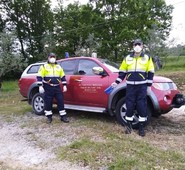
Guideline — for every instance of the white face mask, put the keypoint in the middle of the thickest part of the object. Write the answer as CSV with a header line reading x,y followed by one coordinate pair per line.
x,y
137,49
52,60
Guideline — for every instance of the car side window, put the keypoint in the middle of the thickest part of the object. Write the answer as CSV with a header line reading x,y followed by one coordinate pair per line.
x,y
33,69
85,67
68,66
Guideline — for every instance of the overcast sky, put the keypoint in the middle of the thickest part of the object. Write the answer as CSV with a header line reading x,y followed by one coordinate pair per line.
x,y
178,23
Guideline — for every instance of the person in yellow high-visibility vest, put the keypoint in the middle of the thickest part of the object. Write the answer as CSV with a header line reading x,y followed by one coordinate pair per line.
x,y
49,77
138,69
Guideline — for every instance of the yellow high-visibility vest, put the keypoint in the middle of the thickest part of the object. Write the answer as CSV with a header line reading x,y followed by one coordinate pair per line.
x,y
138,70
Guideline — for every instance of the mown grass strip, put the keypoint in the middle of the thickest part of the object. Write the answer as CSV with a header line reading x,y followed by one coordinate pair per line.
x,y
125,153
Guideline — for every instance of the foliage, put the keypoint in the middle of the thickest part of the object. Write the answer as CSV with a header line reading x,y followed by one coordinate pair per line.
x,y
107,27
74,32
127,20
31,20
179,50
2,23
10,61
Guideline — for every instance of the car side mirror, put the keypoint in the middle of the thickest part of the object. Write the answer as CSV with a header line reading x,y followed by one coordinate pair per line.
x,y
98,70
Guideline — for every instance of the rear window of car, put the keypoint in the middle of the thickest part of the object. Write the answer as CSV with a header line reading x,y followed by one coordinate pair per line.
x,y
33,69
68,66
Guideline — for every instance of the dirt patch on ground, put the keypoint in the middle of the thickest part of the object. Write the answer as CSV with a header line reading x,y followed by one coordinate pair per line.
x,y
28,143
168,131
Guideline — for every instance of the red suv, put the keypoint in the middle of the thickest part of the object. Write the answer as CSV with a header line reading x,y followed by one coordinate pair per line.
x,y
87,80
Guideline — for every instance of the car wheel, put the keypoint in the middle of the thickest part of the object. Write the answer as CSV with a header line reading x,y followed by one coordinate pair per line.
x,y
121,112
38,104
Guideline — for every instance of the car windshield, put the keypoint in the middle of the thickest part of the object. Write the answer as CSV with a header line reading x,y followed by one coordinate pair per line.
x,y
114,67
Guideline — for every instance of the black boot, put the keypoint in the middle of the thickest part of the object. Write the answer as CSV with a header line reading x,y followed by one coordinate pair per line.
x,y
128,127
64,119
141,129
49,120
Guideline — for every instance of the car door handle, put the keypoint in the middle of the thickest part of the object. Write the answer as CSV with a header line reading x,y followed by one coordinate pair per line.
x,y
78,80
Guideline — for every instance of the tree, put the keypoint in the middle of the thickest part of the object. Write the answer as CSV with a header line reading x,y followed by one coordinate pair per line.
x,y
127,20
31,20
2,23
10,62
75,28
106,26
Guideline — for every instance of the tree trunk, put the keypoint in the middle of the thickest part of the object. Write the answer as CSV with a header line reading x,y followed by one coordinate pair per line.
x,y
116,54
1,83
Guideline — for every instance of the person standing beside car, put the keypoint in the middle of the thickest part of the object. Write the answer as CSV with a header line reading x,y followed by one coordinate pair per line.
x,y
138,69
49,77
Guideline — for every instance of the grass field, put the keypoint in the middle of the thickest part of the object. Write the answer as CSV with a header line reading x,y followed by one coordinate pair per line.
x,y
174,68
173,63
100,143
10,99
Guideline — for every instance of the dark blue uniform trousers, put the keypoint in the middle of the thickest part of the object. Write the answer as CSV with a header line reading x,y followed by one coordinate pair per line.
x,y
136,98
52,92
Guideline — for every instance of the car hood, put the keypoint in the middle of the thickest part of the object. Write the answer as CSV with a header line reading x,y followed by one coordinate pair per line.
x,y
160,79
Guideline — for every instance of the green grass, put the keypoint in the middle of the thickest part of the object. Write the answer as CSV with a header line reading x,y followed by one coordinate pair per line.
x,y
10,99
174,68
173,63
119,153
9,86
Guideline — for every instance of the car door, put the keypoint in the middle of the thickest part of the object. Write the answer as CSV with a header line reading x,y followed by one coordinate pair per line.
x,y
69,67
88,88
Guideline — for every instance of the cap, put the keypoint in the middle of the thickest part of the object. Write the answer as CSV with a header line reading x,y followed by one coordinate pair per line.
x,y
137,41
52,54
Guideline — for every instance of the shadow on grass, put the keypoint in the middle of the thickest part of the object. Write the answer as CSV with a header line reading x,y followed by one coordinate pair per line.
x,y
91,116
167,125
164,124
75,115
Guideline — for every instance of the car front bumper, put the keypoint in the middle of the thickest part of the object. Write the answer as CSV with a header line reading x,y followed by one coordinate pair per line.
x,y
178,101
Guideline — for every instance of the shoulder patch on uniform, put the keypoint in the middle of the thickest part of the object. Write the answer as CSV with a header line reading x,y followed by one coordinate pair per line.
x,y
148,56
129,58
143,59
58,66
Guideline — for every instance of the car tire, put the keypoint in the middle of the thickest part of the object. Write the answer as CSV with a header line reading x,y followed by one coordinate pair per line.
x,y
121,112
38,105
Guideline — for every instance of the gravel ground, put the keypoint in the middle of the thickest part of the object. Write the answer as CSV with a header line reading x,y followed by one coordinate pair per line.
x,y
24,146
27,142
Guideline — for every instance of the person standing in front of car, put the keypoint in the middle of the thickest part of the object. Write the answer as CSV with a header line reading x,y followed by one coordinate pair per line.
x,y
49,77
138,69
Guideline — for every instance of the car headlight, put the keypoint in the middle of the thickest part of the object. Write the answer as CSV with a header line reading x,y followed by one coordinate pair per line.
x,y
165,86
174,86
